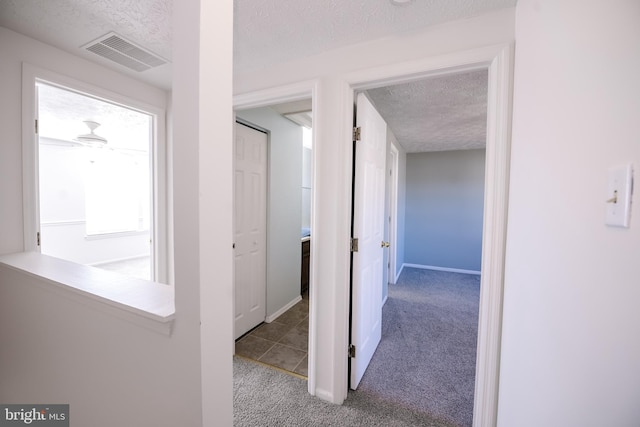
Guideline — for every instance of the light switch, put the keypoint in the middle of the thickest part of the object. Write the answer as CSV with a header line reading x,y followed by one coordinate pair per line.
x,y
619,190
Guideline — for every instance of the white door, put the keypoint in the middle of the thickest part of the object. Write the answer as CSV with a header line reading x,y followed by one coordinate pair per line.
x,y
368,228
250,228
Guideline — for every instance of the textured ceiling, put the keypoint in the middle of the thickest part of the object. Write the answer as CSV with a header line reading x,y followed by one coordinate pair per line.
x,y
271,31
61,116
70,24
436,114
265,32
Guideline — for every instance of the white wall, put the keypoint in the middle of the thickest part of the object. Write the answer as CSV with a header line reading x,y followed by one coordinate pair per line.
x,y
571,326
15,50
284,205
110,371
57,349
333,109
60,350
203,100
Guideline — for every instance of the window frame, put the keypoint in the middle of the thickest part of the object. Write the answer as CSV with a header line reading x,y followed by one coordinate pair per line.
x,y
31,75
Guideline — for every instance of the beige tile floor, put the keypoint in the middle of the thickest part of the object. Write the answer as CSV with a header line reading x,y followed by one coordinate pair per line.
x,y
282,343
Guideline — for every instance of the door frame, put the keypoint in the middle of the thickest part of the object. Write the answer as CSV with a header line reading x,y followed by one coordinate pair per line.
x,y
498,60
280,95
393,214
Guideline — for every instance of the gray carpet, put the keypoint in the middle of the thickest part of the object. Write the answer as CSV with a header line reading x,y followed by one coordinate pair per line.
x,y
265,397
421,375
426,359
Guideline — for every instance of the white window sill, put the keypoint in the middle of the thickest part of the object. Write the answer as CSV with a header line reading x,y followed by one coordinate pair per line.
x,y
146,303
115,234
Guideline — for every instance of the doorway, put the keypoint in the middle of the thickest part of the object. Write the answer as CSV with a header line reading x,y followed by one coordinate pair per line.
x,y
281,336
443,201
495,202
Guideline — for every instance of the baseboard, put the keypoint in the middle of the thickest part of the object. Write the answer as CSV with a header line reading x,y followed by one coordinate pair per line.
x,y
280,312
326,396
431,267
399,273
385,299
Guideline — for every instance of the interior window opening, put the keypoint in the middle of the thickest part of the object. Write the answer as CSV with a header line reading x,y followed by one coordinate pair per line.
x,y
95,181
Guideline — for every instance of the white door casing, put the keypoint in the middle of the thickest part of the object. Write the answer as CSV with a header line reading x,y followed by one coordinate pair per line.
x,y
368,228
393,212
386,228
250,228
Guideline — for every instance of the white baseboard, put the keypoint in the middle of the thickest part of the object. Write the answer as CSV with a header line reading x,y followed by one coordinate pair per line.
x,y
326,396
280,312
431,267
385,299
399,273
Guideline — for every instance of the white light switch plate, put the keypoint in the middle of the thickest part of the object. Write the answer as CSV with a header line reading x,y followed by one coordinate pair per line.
x,y
619,190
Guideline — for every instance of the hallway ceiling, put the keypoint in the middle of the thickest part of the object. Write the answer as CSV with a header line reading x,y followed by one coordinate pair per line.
x,y
265,31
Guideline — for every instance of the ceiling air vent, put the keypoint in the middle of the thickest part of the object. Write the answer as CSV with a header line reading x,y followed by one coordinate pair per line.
x,y
115,48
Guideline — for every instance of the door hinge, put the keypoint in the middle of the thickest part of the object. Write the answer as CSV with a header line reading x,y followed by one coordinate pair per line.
x,y
354,244
352,350
356,133
38,238
36,126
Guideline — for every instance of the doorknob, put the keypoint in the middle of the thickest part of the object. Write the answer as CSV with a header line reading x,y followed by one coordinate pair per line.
x,y
384,244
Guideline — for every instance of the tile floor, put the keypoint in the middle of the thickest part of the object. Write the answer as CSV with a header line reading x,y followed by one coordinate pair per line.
x,y
282,343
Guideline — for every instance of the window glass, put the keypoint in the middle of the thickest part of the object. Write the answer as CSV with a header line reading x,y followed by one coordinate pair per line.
x,y
94,167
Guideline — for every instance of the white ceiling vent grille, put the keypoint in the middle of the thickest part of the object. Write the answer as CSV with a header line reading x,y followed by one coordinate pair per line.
x,y
115,48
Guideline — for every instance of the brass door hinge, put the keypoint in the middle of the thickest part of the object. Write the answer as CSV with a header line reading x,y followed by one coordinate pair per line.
x,y
356,133
354,244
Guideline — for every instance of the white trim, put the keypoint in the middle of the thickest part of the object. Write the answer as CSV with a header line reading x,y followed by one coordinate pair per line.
x,y
288,93
384,300
399,272
324,395
432,267
278,95
498,60
393,226
283,310
500,92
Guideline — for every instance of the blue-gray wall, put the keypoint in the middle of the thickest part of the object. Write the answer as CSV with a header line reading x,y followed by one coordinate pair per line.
x,y
284,205
444,209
